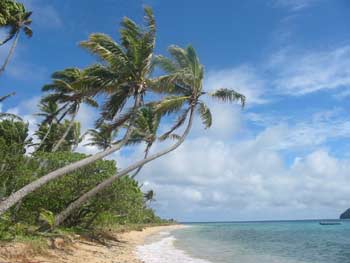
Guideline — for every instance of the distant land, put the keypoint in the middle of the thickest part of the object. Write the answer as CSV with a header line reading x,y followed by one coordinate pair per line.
x,y
345,215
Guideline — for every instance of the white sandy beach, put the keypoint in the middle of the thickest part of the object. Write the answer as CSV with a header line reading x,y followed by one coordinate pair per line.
x,y
128,250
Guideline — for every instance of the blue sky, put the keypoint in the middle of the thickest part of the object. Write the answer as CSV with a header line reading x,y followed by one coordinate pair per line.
x,y
285,156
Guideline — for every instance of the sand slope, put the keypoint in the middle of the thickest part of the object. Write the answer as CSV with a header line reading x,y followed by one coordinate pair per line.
x,y
82,251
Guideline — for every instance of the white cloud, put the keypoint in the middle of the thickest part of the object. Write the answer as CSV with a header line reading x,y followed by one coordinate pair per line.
x,y
295,5
227,121
299,74
342,94
224,181
218,179
288,72
307,132
87,117
243,79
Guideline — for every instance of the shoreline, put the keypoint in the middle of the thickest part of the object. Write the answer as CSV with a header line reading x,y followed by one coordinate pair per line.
x,y
137,238
83,251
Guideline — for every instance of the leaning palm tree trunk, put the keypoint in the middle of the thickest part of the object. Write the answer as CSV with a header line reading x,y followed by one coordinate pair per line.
x,y
31,187
45,136
61,140
12,50
140,168
100,187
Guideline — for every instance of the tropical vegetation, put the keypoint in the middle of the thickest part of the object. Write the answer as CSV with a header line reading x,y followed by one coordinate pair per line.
x,y
45,182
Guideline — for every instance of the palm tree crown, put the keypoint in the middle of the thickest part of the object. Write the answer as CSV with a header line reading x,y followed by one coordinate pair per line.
x,y
126,67
145,126
67,90
102,137
15,17
184,84
49,111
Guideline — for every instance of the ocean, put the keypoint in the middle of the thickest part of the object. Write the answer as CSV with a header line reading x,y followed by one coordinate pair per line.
x,y
251,242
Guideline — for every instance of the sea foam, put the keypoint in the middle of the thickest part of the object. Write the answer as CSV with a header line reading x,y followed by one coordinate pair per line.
x,y
164,251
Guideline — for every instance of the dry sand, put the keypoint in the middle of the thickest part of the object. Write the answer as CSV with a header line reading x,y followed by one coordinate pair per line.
x,y
82,251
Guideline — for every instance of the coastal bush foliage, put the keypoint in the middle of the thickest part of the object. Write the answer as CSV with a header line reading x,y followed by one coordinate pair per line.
x,y
122,203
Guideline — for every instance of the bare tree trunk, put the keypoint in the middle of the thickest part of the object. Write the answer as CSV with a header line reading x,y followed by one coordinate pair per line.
x,y
100,187
71,123
31,187
12,50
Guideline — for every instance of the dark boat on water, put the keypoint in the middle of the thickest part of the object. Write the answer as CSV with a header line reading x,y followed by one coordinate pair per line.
x,y
329,223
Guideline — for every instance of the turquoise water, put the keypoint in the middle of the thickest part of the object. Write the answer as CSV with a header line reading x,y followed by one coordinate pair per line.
x,y
267,242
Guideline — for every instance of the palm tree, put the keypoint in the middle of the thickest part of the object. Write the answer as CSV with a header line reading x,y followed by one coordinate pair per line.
x,y
184,80
66,90
149,196
49,110
102,137
123,76
145,130
16,19
55,134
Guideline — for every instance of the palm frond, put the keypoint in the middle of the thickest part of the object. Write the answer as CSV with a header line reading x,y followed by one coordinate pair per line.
x,y
171,104
99,78
6,115
179,122
102,138
150,20
91,102
122,119
68,74
193,59
228,95
165,64
2,98
205,114
28,31
105,48
180,56
174,137
115,103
